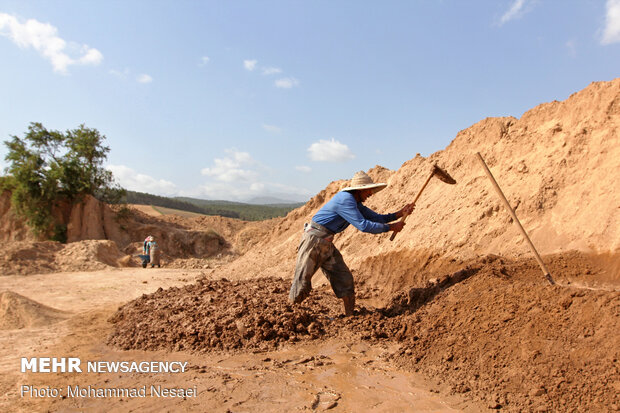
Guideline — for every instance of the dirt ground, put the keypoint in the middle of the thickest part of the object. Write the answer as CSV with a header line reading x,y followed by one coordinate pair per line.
x,y
336,373
492,330
492,335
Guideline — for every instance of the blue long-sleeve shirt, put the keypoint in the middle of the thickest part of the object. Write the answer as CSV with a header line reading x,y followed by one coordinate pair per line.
x,y
343,210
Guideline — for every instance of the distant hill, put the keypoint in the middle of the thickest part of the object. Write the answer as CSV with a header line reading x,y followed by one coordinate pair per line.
x,y
247,212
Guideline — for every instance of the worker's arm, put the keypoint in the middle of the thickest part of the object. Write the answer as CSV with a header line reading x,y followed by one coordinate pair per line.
x,y
362,218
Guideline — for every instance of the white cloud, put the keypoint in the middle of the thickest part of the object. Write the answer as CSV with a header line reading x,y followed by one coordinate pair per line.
x,y
330,151
612,23
204,60
218,190
238,176
303,168
134,181
233,168
144,78
271,70
43,37
272,128
286,82
90,56
245,192
515,11
250,64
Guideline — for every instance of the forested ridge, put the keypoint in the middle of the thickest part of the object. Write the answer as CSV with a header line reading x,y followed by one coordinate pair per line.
x,y
247,212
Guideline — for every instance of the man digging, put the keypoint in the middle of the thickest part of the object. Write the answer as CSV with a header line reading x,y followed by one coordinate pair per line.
x,y
316,249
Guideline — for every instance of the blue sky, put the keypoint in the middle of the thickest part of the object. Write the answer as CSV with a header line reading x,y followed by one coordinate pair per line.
x,y
238,99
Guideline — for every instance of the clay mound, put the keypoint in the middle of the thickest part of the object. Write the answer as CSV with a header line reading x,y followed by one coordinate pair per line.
x,y
493,333
89,256
557,165
28,257
220,315
17,311
24,258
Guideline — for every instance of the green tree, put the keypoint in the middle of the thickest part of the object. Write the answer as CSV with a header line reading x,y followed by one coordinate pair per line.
x,y
46,167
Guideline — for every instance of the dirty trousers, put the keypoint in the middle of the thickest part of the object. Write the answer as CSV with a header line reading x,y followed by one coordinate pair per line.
x,y
314,252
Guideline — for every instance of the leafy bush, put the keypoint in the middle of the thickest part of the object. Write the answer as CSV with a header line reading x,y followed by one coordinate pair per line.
x,y
48,166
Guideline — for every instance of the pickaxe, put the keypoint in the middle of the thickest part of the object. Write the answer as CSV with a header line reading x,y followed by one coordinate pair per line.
x,y
438,173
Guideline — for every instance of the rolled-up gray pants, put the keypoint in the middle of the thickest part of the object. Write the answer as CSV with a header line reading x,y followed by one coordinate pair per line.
x,y
317,251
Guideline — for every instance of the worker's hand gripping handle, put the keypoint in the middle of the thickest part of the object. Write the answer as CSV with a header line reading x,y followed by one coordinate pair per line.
x,y
402,220
414,201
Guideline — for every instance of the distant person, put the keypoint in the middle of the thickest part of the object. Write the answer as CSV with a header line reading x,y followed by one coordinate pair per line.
x,y
146,256
316,249
151,249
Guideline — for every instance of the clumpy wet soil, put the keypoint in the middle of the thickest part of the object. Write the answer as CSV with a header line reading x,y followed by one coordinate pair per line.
x,y
493,331
222,315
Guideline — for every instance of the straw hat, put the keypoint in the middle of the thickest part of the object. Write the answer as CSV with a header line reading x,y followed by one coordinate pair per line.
x,y
361,180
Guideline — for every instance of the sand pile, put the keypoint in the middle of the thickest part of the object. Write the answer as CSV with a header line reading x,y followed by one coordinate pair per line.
x,y
501,337
558,166
17,311
28,257
89,255
31,257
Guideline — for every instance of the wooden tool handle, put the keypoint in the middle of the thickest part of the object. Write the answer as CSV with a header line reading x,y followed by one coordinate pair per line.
x,y
516,220
414,201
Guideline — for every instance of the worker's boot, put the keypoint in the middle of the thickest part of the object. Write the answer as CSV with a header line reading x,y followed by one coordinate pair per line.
x,y
349,305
